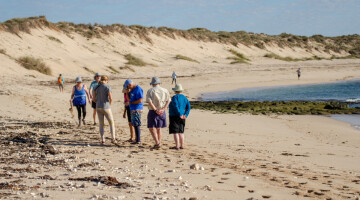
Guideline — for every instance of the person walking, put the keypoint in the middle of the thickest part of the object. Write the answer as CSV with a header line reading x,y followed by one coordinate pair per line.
x,y
158,99
91,88
78,98
173,77
128,114
61,83
103,100
136,107
179,110
298,73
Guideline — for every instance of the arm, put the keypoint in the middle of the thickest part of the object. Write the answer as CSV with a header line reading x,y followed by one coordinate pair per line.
x,y
187,108
72,94
137,101
87,93
110,97
94,96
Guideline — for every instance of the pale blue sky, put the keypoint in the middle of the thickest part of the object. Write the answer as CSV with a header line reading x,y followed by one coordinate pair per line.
x,y
300,17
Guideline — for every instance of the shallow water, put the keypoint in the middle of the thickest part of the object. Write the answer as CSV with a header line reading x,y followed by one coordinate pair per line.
x,y
346,91
353,120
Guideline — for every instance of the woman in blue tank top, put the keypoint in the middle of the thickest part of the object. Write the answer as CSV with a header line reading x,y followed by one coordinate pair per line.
x,y
78,98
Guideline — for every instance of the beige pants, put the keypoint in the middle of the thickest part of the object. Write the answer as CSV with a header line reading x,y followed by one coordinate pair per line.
x,y
108,114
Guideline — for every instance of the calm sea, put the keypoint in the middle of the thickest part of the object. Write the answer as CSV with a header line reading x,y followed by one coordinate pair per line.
x,y
344,91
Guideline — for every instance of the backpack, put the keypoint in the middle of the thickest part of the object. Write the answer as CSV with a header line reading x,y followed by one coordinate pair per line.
x,y
59,80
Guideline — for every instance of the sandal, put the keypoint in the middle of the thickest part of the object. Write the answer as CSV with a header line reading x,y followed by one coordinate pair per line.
x,y
130,140
156,146
177,148
113,141
181,147
102,142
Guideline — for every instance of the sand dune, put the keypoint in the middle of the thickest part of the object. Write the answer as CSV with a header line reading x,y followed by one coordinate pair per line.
x,y
240,156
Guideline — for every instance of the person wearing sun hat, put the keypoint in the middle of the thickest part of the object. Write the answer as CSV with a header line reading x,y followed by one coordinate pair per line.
x,y
78,98
158,99
93,84
179,109
136,106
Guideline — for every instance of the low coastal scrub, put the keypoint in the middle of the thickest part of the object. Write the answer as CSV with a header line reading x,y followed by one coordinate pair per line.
x,y
132,60
53,39
32,63
127,67
3,51
113,70
275,56
238,57
290,59
277,107
181,57
89,70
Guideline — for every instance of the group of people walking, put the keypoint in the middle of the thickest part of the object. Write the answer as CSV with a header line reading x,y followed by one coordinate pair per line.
x,y
158,99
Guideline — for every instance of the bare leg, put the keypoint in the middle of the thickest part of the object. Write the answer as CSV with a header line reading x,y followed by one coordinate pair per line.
x,y
100,114
154,135
176,139
182,138
132,132
158,131
94,116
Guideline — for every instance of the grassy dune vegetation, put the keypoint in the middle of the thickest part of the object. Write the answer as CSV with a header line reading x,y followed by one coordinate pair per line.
x,y
32,63
346,43
181,57
132,60
281,107
238,57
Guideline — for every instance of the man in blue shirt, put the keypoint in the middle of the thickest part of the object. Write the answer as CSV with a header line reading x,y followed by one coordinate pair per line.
x,y
136,106
179,110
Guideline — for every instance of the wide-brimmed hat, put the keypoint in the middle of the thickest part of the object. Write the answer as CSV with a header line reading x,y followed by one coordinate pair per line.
x,y
127,82
155,80
178,88
78,79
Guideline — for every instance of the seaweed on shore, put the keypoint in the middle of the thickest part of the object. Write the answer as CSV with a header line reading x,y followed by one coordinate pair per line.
x,y
276,107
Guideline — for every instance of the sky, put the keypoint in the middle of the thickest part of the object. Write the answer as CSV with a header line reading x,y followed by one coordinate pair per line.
x,y
299,17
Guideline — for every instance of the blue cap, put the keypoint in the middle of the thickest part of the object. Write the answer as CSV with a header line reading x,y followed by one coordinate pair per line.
x,y
127,82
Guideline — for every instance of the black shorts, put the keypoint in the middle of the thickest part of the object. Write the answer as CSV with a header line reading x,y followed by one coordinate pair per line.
x,y
128,113
177,125
93,105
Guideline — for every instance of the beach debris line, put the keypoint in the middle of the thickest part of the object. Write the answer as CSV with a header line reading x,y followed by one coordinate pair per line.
x,y
276,107
107,180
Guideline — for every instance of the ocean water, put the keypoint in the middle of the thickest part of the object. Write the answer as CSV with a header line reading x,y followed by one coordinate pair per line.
x,y
344,91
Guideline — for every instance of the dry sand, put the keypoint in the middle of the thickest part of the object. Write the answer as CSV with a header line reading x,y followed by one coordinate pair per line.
x,y
240,156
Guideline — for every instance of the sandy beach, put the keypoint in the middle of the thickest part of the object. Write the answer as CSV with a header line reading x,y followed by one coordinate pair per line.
x,y
237,156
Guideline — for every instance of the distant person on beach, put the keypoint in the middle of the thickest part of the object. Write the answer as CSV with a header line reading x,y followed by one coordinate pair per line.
x,y
91,88
173,78
298,73
136,107
61,83
78,97
127,113
158,99
103,100
179,110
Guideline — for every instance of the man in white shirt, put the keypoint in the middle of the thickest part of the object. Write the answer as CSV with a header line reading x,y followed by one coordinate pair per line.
x,y
158,99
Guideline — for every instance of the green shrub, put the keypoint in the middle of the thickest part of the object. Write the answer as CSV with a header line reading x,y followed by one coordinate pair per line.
x,y
53,39
181,57
113,69
89,70
275,56
32,63
132,60
238,58
3,51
